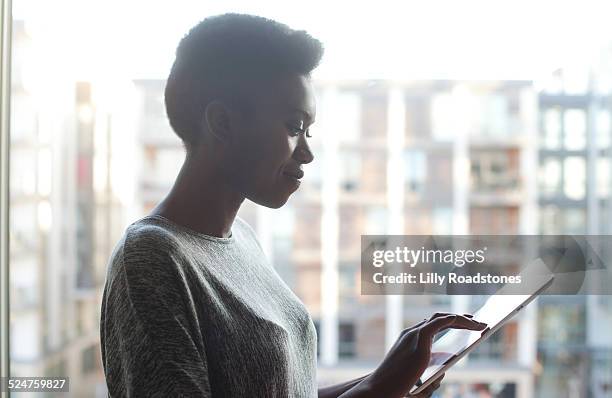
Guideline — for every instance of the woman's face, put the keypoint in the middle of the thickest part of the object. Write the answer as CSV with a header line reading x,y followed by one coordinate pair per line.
x,y
267,158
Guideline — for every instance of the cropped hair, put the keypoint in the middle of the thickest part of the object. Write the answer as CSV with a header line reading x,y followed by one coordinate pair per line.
x,y
224,57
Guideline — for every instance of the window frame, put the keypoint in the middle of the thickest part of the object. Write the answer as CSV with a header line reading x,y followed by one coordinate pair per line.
x,y
5,86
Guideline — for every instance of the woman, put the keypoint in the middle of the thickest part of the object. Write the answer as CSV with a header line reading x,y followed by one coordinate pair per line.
x,y
191,306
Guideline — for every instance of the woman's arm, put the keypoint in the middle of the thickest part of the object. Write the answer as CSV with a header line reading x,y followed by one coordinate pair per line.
x,y
150,342
336,390
405,362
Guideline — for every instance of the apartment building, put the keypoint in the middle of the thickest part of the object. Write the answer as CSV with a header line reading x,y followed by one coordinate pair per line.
x,y
574,356
59,239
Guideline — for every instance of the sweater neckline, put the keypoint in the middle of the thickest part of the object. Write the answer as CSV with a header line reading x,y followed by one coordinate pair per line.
x,y
229,239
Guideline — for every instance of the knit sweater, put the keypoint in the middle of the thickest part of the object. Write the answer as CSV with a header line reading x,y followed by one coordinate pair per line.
x,y
192,315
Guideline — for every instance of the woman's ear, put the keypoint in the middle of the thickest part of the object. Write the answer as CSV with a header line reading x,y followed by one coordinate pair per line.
x,y
217,118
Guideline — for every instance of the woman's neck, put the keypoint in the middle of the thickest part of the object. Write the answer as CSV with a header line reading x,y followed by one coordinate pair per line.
x,y
201,200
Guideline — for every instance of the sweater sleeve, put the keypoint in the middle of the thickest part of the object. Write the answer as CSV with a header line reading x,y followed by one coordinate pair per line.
x,y
153,345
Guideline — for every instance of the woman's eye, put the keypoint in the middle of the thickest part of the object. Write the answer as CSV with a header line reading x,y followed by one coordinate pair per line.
x,y
295,130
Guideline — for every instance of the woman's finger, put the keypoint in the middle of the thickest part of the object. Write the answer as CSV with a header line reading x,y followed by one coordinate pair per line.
x,y
440,314
434,386
453,322
407,330
419,324
427,392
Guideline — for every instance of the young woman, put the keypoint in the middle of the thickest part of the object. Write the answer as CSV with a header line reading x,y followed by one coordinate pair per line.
x,y
191,306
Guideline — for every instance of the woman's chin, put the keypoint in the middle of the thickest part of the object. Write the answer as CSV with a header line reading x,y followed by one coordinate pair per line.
x,y
278,194
273,202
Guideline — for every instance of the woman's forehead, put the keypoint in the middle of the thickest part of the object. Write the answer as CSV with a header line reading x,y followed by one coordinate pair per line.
x,y
292,94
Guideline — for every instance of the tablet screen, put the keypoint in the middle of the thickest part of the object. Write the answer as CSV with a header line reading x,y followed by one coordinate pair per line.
x,y
495,309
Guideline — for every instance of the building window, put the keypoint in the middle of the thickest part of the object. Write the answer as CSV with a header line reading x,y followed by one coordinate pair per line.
x,y
551,129
346,337
562,323
415,171
574,181
347,108
494,170
376,220
574,220
347,282
88,359
443,127
350,170
550,176
603,177
442,220
603,129
495,116
374,115
574,123
417,119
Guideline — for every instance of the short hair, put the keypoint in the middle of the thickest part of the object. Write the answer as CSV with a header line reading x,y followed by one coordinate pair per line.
x,y
222,56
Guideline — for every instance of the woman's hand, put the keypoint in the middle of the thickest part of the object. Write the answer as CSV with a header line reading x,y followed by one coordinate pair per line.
x,y
409,356
427,392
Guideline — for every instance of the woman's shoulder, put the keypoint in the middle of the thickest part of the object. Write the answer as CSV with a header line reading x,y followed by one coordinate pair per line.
x,y
152,240
149,247
150,232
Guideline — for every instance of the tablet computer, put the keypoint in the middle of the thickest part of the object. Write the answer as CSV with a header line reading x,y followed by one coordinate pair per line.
x,y
457,343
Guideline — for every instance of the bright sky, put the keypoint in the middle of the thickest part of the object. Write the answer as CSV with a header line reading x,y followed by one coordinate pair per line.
x,y
382,39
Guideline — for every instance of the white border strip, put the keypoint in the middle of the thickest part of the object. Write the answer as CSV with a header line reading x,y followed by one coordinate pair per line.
x,y
5,89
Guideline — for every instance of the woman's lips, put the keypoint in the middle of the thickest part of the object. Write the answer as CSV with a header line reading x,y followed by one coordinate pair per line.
x,y
297,174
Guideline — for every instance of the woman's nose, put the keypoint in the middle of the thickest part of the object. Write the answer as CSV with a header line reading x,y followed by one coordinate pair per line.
x,y
302,152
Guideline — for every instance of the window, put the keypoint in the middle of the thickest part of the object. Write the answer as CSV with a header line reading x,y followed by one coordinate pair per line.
x,y
574,221
350,170
418,119
348,284
551,129
562,324
603,177
415,171
89,358
347,110
376,220
574,181
550,176
442,221
346,343
604,133
374,115
494,170
442,112
495,116
83,167
574,123
551,222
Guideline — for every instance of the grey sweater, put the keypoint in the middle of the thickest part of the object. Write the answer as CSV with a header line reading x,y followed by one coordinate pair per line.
x,y
191,315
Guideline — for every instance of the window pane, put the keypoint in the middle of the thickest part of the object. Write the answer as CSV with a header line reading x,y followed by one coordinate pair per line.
x,y
550,176
552,129
604,133
575,178
415,171
92,151
574,123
